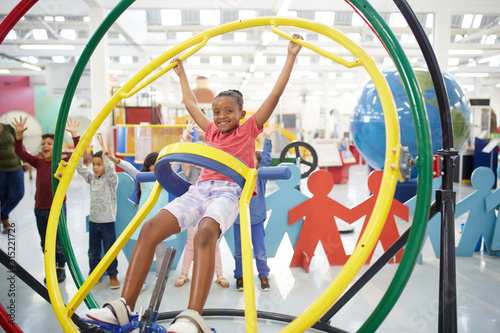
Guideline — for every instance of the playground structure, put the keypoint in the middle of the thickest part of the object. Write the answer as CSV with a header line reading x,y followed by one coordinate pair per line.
x,y
445,202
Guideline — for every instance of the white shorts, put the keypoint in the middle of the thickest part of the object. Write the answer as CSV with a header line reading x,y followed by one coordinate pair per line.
x,y
216,199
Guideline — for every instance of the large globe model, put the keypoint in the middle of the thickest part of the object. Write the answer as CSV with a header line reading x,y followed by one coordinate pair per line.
x,y
367,121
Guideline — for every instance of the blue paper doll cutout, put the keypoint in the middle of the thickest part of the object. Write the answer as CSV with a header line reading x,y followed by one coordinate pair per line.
x,y
280,202
480,222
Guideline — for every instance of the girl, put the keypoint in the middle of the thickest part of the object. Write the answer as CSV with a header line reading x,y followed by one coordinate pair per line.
x,y
211,204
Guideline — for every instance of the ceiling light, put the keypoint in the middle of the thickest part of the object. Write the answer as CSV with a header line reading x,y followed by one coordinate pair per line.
x,y
246,14
32,60
497,85
210,17
40,34
326,18
30,66
171,16
488,59
252,68
472,74
48,18
467,21
4,71
215,60
453,61
465,52
86,19
268,37
357,21
477,21
115,71
236,60
397,20
429,20
126,60
260,60
58,59
60,18
193,60
11,35
46,47
68,34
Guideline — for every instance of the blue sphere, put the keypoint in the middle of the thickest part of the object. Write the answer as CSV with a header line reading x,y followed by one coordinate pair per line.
x,y
367,120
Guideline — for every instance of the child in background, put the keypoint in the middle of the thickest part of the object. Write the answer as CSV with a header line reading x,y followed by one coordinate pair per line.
x,y
258,214
11,175
211,204
192,172
148,165
103,182
43,194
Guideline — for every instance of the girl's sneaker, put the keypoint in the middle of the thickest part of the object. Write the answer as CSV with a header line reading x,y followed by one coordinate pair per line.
x,y
113,313
189,321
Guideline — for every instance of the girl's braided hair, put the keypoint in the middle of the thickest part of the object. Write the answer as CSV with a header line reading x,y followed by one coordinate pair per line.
x,y
236,94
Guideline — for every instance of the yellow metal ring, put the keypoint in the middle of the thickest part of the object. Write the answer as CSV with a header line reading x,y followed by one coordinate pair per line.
x,y
144,77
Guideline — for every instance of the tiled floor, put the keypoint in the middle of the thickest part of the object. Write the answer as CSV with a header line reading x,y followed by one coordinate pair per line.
x,y
292,290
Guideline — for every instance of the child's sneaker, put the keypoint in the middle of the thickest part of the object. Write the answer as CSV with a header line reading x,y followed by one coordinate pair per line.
x,y
239,284
61,274
189,321
264,284
112,313
113,282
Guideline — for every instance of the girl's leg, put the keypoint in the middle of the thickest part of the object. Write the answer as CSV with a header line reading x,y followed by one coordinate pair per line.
x,y
204,260
161,226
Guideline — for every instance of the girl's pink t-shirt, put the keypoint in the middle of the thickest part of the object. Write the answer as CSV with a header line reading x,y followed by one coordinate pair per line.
x,y
240,143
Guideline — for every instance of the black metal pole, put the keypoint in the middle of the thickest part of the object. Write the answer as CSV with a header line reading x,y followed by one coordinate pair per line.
x,y
447,268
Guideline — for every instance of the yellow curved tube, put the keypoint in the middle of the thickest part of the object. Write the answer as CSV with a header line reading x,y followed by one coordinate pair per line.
x,y
135,84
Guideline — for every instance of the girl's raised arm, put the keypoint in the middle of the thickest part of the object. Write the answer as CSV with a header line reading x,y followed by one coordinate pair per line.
x,y
267,108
